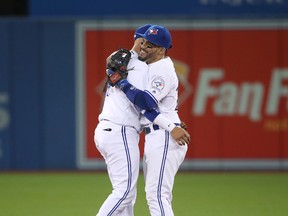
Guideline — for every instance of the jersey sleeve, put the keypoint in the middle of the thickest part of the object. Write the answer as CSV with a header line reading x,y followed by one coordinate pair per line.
x,y
159,86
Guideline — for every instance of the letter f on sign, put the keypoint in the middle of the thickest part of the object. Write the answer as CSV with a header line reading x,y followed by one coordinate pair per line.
x,y
205,89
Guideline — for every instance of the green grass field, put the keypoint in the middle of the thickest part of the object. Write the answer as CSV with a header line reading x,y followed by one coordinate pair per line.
x,y
199,194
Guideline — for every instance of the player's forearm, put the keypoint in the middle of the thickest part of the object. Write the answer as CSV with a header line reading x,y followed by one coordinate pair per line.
x,y
157,118
142,99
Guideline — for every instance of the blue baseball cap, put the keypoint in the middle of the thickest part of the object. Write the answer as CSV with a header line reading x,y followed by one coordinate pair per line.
x,y
158,35
141,30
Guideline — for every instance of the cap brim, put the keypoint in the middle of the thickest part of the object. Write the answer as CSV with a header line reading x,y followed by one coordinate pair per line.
x,y
138,35
148,39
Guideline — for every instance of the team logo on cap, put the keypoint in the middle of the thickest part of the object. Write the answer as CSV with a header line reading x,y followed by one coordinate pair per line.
x,y
153,31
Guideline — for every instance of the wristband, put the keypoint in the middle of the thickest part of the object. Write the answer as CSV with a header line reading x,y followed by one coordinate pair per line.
x,y
165,123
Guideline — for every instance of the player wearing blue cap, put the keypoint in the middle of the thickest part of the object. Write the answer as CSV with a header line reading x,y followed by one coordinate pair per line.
x,y
117,138
163,155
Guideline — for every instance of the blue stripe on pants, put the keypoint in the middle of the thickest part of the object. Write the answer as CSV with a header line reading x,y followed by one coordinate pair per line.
x,y
162,173
123,131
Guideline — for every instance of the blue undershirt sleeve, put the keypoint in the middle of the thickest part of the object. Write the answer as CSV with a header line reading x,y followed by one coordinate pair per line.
x,y
139,98
151,114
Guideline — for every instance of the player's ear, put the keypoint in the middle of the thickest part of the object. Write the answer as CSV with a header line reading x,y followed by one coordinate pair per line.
x,y
162,51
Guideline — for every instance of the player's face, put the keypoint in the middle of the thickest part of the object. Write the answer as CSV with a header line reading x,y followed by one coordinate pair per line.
x,y
150,52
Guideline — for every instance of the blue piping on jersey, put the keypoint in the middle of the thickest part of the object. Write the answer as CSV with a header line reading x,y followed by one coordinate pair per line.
x,y
160,181
123,131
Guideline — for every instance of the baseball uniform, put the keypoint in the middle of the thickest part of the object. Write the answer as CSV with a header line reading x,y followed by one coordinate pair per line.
x,y
162,155
117,137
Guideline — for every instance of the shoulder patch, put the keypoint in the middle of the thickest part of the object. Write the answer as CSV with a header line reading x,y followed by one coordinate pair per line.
x,y
158,83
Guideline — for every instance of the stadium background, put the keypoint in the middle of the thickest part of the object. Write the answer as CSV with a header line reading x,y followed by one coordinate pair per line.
x,y
48,109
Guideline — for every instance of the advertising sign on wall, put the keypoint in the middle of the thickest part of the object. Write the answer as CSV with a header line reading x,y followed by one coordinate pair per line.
x,y
233,89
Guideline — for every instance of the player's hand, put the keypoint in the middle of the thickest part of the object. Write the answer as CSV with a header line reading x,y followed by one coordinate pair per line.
x,y
181,136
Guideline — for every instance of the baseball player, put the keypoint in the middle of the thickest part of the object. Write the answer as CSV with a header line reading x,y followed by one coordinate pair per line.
x,y
162,154
117,136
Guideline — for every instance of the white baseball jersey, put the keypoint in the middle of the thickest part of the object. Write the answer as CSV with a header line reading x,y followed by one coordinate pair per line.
x,y
162,155
117,139
163,87
117,108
